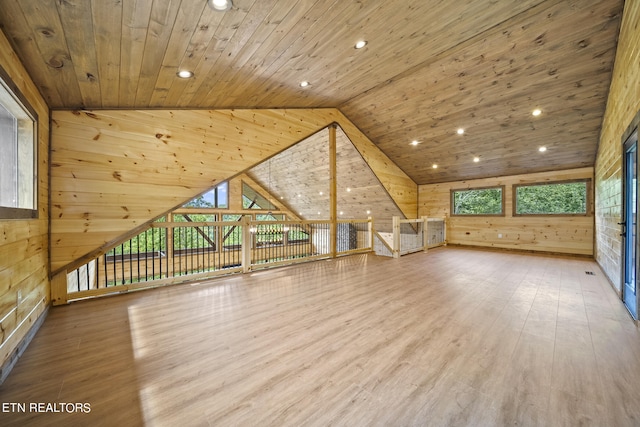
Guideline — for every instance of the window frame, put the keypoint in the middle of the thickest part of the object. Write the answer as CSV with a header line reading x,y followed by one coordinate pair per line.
x,y
588,205
216,198
7,212
271,206
489,187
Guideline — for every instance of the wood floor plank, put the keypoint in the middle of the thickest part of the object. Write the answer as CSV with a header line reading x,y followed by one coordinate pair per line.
x,y
454,336
524,396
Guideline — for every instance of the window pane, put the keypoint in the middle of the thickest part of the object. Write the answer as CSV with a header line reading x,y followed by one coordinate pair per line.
x,y
9,166
222,195
482,201
251,199
215,198
564,198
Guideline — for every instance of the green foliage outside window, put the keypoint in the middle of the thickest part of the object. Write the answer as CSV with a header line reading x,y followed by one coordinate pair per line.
x,y
217,197
552,199
480,201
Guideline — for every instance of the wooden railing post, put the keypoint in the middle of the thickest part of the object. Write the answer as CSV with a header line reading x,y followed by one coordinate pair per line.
x,y
246,244
425,233
396,236
445,225
333,191
371,230
59,295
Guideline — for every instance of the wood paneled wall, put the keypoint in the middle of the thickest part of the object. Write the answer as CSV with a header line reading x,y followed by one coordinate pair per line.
x,y
112,171
24,245
571,234
402,189
622,107
305,188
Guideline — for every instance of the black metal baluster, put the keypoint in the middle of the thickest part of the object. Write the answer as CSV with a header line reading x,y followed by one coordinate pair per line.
x,y
181,234
153,253
122,263
204,249
163,244
130,262
190,250
173,250
115,273
138,253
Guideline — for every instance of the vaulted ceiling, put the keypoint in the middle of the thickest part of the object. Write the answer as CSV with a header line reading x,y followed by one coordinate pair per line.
x,y
430,67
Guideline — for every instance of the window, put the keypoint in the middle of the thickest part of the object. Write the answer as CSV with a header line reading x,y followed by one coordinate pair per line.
x,y
217,197
251,199
478,201
18,162
556,198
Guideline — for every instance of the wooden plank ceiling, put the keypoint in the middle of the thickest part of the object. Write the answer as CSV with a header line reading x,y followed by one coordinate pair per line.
x,y
429,68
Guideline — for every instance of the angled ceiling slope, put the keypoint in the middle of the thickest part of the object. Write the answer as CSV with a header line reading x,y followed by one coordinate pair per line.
x,y
113,171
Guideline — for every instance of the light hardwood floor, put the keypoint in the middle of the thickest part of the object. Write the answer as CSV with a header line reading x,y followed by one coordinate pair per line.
x,y
452,337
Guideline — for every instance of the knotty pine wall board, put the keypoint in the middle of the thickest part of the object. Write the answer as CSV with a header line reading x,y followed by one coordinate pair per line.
x,y
305,189
622,107
560,234
24,243
115,170
205,147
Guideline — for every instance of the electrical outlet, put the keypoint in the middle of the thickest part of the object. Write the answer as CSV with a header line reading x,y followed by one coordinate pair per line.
x,y
500,236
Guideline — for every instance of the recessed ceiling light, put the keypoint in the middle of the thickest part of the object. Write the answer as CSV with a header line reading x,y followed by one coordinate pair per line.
x,y
220,5
368,212
476,159
348,190
185,74
542,149
341,212
304,83
414,142
460,131
321,193
536,112
435,166
361,44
